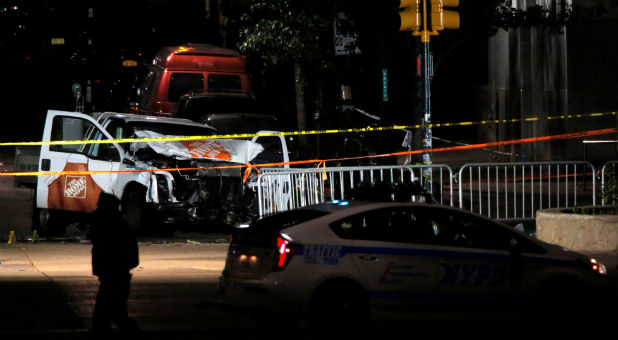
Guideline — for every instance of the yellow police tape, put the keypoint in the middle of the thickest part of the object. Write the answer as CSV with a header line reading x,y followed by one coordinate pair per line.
x,y
313,132
322,162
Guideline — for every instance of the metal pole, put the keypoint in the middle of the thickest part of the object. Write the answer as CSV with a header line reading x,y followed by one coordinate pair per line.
x,y
427,74
427,133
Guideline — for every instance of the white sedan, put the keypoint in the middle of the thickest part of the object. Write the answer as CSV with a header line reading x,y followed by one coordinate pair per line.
x,y
336,262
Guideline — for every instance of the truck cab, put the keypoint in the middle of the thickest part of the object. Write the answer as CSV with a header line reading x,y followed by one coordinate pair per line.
x,y
161,181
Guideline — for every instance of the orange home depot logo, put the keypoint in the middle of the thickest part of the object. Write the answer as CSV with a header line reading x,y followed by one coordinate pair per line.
x,y
75,187
206,149
74,192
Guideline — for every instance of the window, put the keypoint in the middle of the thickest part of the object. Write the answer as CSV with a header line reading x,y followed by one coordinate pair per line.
x,y
262,230
166,129
77,129
195,107
224,82
391,225
116,129
102,151
147,88
69,129
273,150
183,83
459,229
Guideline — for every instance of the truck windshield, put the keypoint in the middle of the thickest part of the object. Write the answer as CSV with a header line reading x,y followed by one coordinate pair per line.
x,y
121,129
169,129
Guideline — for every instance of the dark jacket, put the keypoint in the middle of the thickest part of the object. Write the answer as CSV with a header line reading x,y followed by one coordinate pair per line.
x,y
114,246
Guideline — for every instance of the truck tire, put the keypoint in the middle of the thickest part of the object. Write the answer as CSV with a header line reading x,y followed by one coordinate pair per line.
x,y
133,206
138,215
48,223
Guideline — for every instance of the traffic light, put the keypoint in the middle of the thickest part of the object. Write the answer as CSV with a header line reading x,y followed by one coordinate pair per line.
x,y
410,15
444,19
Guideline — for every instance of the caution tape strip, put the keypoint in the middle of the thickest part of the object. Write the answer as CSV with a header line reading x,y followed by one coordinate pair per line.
x,y
322,162
312,132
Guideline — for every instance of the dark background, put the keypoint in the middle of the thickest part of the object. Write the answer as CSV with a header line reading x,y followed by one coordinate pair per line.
x,y
37,75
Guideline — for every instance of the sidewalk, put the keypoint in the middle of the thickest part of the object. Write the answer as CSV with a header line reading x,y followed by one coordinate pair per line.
x,y
30,299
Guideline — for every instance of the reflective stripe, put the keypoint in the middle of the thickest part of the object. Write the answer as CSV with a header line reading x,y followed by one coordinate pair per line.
x,y
341,251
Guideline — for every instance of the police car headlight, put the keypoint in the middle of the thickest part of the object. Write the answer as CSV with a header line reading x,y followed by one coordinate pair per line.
x,y
598,267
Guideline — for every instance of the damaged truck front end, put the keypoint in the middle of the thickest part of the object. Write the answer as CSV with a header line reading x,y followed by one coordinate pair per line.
x,y
195,193
190,189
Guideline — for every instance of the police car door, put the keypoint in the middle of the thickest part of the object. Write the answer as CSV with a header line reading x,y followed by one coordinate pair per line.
x,y
70,186
474,256
391,251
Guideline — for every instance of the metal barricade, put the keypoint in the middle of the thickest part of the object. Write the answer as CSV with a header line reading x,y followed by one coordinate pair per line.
x,y
609,181
284,189
518,190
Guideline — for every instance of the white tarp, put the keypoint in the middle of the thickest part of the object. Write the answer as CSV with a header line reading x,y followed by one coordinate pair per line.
x,y
230,150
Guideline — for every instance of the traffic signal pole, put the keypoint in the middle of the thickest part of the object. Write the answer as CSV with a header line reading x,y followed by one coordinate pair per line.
x,y
440,19
426,70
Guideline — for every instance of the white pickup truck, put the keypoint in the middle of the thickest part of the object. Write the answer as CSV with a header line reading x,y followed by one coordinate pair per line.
x,y
162,185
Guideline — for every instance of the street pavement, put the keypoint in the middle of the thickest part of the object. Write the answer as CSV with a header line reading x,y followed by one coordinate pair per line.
x,y
47,291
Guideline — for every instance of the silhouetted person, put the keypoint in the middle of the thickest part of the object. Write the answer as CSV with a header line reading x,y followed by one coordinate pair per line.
x,y
114,254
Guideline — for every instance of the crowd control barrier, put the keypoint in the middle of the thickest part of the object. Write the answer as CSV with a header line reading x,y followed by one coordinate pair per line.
x,y
285,189
502,191
517,190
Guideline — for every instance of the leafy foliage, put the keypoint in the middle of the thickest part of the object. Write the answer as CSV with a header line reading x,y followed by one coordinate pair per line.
x,y
505,16
610,191
284,30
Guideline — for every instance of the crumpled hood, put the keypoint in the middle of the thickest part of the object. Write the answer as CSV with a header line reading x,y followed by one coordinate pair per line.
x,y
229,150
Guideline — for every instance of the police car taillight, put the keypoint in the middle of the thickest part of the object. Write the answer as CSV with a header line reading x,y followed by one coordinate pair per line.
x,y
598,267
285,251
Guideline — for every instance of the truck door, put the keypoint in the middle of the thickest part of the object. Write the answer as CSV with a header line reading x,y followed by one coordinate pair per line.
x,y
72,183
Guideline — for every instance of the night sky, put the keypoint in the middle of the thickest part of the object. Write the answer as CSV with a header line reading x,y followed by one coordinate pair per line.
x,y
47,45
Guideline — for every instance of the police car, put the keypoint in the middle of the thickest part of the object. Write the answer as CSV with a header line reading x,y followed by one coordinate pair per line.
x,y
336,262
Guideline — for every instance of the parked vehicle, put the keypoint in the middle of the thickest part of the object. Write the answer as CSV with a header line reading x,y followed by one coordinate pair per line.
x,y
160,183
276,147
334,263
198,105
178,70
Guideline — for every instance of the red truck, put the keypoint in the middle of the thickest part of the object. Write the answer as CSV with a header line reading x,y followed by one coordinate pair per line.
x,y
178,70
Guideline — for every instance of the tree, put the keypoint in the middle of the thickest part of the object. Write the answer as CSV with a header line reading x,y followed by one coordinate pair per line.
x,y
280,32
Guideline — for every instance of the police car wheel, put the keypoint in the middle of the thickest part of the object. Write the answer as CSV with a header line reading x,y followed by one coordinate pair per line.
x,y
560,298
339,304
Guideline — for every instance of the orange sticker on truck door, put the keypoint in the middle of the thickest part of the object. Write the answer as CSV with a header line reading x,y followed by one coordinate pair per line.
x,y
74,192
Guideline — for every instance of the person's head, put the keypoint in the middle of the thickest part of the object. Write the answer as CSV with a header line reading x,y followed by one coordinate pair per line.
x,y
108,202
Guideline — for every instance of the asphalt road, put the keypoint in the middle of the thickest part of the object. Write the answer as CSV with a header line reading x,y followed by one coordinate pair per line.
x,y
47,291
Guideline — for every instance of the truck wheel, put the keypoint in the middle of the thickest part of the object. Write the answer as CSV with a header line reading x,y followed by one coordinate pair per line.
x,y
133,205
48,223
